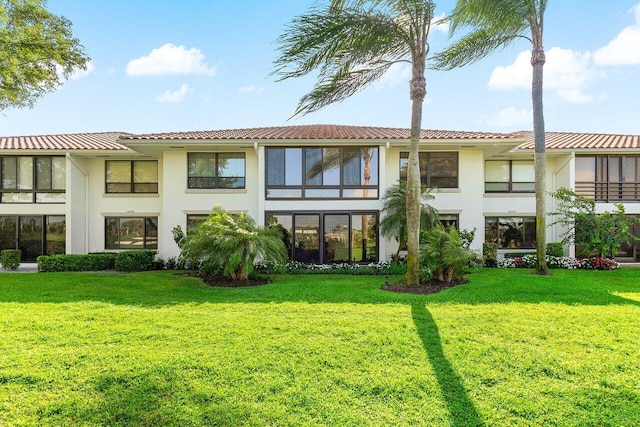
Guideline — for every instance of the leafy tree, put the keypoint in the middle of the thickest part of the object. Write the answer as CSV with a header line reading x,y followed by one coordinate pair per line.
x,y
444,252
36,49
352,43
232,243
496,24
394,220
601,233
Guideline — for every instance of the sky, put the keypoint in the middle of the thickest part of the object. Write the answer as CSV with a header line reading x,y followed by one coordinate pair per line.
x,y
177,65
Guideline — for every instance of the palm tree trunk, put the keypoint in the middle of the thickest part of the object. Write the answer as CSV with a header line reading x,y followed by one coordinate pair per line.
x,y
418,90
540,160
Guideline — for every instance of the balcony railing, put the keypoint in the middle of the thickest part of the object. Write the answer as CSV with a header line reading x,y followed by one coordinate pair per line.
x,y
609,191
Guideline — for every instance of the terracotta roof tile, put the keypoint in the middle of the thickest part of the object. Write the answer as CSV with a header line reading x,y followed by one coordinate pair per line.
x,y
75,141
583,141
320,132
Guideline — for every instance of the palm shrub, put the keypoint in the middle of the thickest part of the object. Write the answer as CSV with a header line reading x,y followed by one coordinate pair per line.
x,y
231,243
394,214
444,253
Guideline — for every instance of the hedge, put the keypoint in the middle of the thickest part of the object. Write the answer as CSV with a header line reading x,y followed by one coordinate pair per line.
x,y
10,258
76,262
135,260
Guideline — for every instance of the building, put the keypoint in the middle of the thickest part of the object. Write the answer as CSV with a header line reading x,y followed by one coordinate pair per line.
x,y
94,192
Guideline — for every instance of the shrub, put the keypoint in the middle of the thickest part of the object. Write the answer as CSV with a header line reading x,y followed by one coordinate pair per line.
x,y
134,260
490,254
555,249
529,261
10,259
230,244
444,254
516,254
76,262
172,263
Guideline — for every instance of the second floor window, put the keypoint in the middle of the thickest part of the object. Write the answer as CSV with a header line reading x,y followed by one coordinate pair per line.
x,y
608,178
216,170
509,176
132,176
322,173
27,179
437,170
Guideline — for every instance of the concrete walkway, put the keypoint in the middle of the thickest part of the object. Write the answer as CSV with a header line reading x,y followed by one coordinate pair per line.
x,y
25,267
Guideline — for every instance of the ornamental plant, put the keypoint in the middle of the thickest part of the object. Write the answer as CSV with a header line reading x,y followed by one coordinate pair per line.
x,y
230,244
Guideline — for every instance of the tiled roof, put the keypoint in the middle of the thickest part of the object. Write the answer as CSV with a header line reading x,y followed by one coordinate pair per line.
x,y
74,141
321,132
583,141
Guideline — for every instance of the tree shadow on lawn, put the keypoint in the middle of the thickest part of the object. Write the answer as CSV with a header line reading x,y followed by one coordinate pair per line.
x,y
156,289
461,408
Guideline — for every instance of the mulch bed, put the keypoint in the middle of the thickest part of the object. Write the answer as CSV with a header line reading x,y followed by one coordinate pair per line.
x,y
431,287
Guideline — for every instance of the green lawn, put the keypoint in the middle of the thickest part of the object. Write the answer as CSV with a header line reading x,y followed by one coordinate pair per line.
x,y
509,348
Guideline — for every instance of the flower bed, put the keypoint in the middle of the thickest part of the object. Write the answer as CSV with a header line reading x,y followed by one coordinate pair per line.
x,y
529,261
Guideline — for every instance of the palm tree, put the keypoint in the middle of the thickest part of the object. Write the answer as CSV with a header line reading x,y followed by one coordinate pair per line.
x,y
394,221
495,24
352,43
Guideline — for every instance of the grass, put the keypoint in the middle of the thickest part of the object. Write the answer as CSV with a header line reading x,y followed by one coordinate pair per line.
x,y
509,348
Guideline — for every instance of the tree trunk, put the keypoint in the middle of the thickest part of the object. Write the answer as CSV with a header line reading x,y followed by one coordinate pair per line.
x,y
418,90
540,160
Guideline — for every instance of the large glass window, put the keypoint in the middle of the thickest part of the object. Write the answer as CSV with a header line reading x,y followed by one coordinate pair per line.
x,y
329,237
131,233
322,173
608,178
25,179
437,170
216,170
131,176
34,235
509,176
511,232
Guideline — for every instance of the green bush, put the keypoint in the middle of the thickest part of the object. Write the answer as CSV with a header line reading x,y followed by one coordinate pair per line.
x,y
135,260
555,249
10,258
76,262
490,254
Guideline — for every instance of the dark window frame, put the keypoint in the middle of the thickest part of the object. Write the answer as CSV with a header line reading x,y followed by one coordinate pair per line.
x,y
44,224
321,231
495,220
217,179
34,190
145,237
132,184
426,177
340,188
603,189
510,183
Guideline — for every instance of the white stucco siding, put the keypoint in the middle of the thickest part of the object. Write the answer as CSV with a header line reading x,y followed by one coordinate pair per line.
x,y
180,201
77,207
104,205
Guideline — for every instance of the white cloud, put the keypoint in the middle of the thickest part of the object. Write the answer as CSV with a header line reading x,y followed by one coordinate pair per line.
x,y
170,59
566,71
80,73
175,96
399,73
251,89
440,23
624,49
509,117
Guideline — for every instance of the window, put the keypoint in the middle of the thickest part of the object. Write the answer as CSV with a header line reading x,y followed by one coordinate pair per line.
x,y
328,237
511,232
437,170
193,221
322,173
132,176
608,178
26,179
216,170
131,233
34,235
509,176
